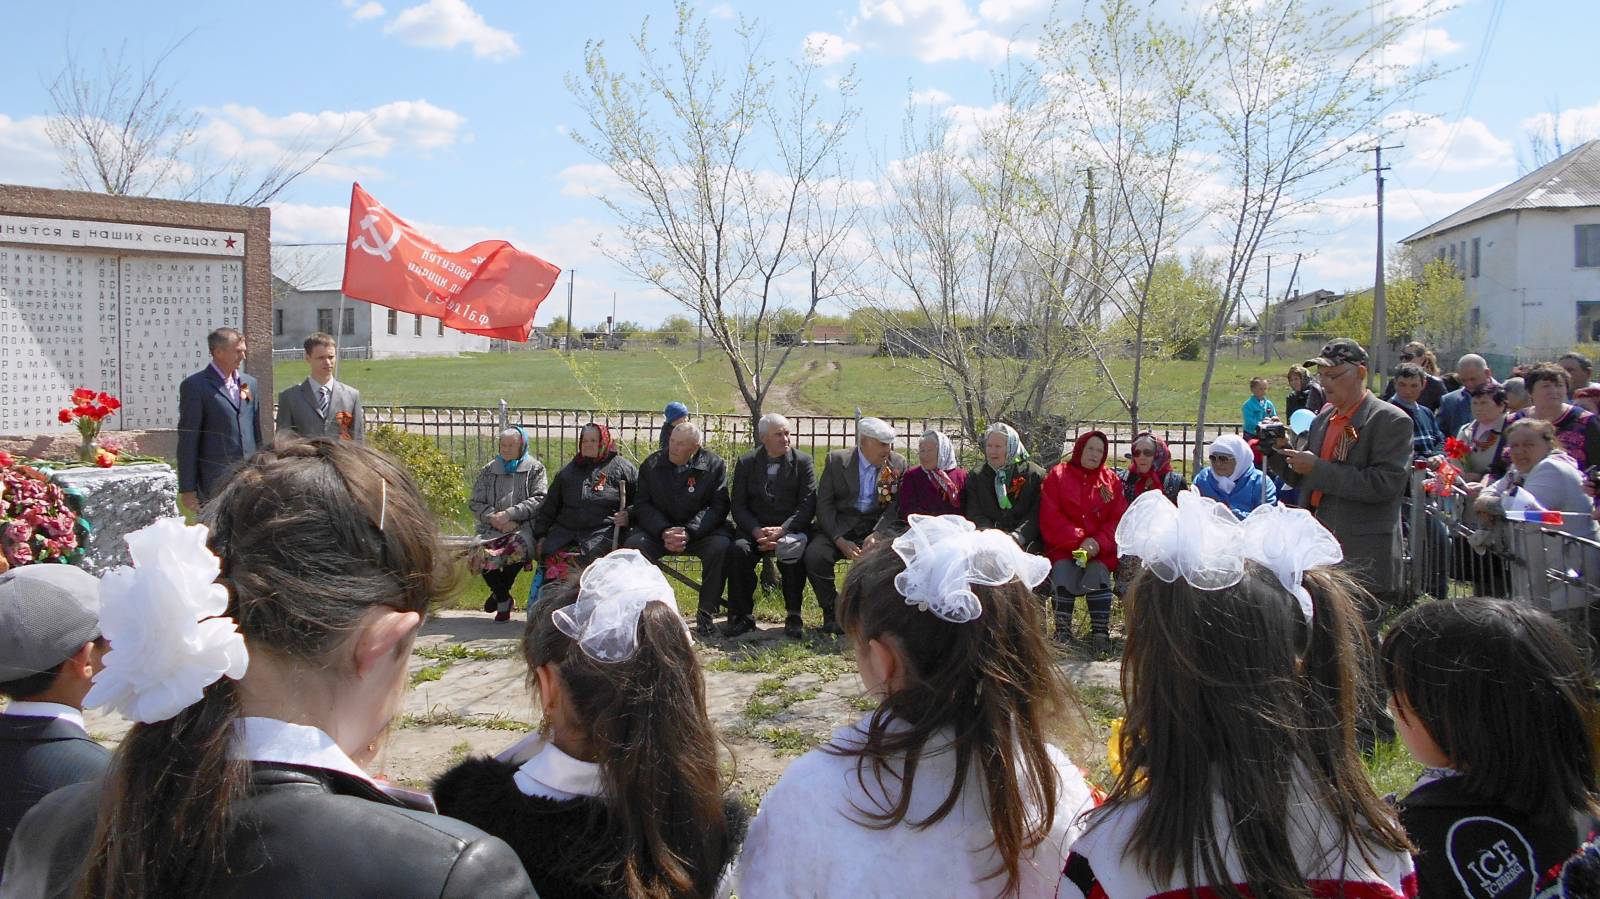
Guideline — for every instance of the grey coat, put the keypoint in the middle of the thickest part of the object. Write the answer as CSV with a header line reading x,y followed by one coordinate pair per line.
x,y
1362,494
297,411
521,493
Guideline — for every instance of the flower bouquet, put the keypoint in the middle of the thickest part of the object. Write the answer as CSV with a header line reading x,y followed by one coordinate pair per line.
x,y
86,413
36,522
503,553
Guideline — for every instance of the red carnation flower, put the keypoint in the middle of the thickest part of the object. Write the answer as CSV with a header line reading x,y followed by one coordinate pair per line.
x,y
82,395
65,415
5,459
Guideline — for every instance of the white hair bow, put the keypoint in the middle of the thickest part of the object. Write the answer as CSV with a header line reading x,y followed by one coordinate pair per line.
x,y
946,556
1198,539
1290,542
612,594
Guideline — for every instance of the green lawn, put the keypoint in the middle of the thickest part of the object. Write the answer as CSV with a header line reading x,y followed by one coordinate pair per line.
x,y
830,381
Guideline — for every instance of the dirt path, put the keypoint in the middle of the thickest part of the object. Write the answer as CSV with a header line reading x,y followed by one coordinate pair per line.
x,y
784,397
771,699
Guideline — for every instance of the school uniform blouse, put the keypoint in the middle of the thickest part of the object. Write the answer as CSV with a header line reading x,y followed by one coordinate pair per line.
x,y
807,840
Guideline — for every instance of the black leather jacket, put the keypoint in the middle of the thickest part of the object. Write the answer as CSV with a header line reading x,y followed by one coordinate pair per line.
x,y
301,832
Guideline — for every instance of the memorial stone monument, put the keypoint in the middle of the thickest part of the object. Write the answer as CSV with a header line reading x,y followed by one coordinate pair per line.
x,y
117,294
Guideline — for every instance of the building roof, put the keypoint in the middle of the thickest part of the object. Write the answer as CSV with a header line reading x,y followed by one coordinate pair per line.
x,y
1571,180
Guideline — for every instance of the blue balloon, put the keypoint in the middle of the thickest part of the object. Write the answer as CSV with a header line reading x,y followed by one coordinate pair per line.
x,y
1300,421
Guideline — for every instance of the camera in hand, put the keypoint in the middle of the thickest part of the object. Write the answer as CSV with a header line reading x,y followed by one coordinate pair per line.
x,y
1270,431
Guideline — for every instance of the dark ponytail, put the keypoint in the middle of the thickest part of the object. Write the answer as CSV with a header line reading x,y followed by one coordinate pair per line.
x,y
648,728
991,681
304,558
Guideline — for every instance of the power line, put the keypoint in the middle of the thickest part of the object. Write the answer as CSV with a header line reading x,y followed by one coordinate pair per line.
x,y
1472,86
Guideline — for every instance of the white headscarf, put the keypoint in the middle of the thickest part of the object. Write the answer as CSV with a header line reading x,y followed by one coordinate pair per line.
x,y
1243,460
947,450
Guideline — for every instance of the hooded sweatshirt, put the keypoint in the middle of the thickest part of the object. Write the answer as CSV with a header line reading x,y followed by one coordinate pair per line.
x,y
1079,503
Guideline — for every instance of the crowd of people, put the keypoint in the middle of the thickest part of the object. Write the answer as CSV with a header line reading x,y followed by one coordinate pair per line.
x,y
263,655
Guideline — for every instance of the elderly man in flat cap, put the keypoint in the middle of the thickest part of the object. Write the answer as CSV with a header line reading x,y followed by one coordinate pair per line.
x,y
50,649
856,486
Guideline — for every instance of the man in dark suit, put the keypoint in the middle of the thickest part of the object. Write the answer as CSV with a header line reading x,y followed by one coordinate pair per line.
x,y
50,648
320,406
219,419
856,486
774,500
1352,476
682,509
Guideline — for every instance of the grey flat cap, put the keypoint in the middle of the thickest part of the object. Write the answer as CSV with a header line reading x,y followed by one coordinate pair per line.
x,y
877,429
47,612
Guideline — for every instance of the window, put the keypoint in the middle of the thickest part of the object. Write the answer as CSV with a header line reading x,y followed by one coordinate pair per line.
x,y
394,322
349,323
325,321
1477,255
441,327
1452,254
416,326
277,323
1441,254
1588,240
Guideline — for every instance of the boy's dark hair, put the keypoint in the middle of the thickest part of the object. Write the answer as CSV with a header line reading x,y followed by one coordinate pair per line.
x,y
1503,691
991,680
25,688
1410,370
1581,359
1545,371
1258,380
320,338
1496,392
649,726
1229,693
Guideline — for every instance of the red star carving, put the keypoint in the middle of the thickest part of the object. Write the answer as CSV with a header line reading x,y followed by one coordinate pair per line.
x,y
229,242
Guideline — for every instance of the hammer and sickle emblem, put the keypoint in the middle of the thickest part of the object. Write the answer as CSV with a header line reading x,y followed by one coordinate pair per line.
x,y
372,241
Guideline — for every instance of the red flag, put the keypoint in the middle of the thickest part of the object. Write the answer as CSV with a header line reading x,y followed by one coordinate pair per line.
x,y
490,288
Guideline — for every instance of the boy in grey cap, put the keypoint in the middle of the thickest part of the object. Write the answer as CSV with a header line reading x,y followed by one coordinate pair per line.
x,y
50,650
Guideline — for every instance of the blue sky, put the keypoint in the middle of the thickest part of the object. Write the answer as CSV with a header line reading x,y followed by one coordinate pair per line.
x,y
468,115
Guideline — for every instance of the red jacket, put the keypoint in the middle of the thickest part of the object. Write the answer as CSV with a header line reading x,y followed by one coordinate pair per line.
x,y
1078,503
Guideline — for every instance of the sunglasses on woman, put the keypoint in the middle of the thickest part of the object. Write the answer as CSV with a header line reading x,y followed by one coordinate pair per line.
x,y
1218,457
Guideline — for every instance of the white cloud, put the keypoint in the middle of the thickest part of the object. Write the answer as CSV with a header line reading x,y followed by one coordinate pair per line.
x,y
1577,125
415,124
302,223
365,11
588,179
829,49
930,97
26,154
1435,144
721,11
935,30
446,24
1012,10
1420,45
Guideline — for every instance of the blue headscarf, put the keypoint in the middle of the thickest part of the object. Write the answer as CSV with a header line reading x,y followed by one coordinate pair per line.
x,y
511,465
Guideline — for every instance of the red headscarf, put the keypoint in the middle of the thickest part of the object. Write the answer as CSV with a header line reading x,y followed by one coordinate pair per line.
x,y
1160,466
1100,475
608,448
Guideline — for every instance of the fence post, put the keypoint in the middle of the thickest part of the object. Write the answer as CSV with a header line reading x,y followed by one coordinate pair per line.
x,y
505,417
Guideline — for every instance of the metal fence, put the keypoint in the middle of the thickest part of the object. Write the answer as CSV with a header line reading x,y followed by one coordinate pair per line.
x,y
468,434
1450,551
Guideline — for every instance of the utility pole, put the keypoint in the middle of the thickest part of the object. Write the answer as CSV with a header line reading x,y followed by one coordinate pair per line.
x,y
1380,308
613,312
572,274
1261,322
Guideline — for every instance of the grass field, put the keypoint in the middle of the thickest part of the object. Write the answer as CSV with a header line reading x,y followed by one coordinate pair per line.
x,y
827,381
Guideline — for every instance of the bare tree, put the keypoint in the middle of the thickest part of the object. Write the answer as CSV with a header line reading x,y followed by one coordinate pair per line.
x,y
122,130
1548,138
1297,93
733,186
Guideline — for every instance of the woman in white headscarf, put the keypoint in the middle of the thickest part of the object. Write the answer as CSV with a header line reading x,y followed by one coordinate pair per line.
x,y
1233,479
934,487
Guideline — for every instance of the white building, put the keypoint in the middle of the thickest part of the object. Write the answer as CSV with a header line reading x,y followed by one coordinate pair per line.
x,y
1530,256
306,298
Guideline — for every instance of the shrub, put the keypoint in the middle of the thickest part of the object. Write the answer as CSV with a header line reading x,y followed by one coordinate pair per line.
x,y
439,479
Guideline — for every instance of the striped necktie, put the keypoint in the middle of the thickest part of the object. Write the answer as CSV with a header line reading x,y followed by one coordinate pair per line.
x,y
322,400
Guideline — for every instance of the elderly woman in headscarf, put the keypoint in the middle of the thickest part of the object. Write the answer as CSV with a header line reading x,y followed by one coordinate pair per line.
x,y
1150,468
1080,506
1003,492
586,514
506,498
1233,479
933,487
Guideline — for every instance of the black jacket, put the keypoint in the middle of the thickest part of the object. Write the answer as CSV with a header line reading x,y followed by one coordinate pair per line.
x,y
1472,847
1171,485
981,505
575,512
695,499
1433,390
300,832
1308,397
39,756
561,842
788,499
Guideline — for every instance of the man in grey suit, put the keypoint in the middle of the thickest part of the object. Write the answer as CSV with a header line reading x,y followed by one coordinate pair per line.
x,y
319,406
50,648
856,486
219,419
1352,476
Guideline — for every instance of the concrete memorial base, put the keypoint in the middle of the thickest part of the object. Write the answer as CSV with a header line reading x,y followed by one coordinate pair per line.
x,y
116,502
